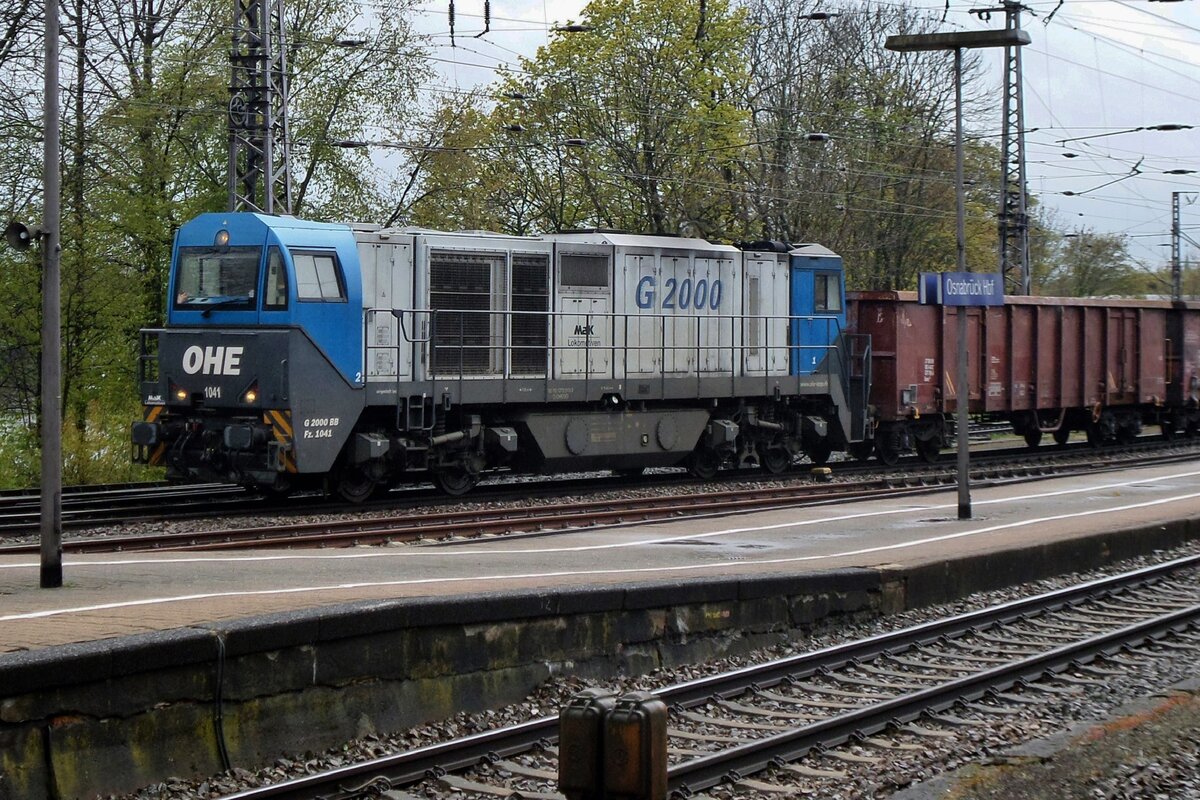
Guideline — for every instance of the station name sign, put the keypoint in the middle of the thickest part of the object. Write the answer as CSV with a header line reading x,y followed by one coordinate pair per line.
x,y
961,289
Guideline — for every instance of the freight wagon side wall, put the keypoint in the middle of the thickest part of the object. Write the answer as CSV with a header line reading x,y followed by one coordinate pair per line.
x,y
906,352
1033,353
1183,373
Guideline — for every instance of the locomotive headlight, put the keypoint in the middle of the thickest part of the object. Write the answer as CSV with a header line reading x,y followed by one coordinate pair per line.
x,y
251,395
222,238
181,394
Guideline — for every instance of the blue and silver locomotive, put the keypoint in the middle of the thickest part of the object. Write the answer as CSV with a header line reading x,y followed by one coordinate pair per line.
x,y
299,353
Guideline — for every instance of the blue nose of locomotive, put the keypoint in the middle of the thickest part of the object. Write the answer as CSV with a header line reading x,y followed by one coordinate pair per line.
x,y
253,271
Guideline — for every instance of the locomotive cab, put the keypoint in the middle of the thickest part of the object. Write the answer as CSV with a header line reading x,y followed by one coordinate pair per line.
x,y
260,359
818,306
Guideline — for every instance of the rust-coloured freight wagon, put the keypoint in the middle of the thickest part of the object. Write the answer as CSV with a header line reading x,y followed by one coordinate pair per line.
x,y
1045,364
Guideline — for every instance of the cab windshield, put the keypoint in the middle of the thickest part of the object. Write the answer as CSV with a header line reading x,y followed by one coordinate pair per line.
x,y
217,276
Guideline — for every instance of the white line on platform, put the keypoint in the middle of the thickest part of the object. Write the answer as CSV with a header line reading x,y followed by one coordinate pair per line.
x,y
417,552
625,571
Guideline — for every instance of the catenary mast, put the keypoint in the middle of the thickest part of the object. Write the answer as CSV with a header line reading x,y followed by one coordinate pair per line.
x,y
259,178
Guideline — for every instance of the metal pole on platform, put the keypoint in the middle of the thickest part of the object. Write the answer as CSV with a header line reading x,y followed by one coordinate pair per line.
x,y
962,425
956,42
51,507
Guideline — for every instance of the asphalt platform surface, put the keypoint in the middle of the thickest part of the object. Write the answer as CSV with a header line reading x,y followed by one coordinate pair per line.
x,y
106,596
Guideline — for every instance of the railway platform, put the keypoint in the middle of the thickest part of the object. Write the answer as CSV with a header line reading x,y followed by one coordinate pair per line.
x,y
149,665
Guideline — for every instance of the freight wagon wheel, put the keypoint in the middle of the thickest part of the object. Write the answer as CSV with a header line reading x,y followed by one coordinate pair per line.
x,y
887,447
886,455
930,450
1062,434
704,463
1033,437
455,481
1168,430
1095,435
775,460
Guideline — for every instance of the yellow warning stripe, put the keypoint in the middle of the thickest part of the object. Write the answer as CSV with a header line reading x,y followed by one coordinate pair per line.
x,y
280,420
157,455
281,429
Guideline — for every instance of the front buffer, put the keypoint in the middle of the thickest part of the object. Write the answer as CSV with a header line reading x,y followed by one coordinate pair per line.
x,y
263,408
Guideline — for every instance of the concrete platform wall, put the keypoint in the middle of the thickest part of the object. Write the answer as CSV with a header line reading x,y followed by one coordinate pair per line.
x,y
118,714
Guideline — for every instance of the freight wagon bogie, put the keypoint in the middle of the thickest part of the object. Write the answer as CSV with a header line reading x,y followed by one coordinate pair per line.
x,y
1101,427
925,436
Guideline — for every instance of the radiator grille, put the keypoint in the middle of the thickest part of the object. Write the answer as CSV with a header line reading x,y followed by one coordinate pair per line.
x,y
530,294
583,271
463,289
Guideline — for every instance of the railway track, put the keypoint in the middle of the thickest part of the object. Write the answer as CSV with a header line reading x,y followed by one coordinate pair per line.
x,y
88,506
798,725
416,515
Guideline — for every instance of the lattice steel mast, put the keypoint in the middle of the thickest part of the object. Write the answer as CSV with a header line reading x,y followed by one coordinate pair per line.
x,y
1176,264
1013,217
259,178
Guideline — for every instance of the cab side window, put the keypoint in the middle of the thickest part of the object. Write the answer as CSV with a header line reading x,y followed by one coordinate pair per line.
x,y
275,293
827,292
318,277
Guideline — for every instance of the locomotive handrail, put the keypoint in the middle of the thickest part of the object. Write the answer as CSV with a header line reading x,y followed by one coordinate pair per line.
x,y
399,313
498,340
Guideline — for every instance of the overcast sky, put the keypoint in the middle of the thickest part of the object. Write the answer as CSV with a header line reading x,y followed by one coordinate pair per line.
x,y
1097,67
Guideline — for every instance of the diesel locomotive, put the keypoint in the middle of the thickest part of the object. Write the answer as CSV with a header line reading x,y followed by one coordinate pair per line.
x,y
303,354
306,354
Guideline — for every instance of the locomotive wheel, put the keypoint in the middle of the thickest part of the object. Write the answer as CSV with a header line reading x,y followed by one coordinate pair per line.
x,y
1033,437
353,486
704,464
819,452
1062,434
775,460
930,450
629,472
862,451
455,481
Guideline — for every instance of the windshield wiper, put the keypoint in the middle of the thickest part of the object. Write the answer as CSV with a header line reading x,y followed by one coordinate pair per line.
x,y
225,301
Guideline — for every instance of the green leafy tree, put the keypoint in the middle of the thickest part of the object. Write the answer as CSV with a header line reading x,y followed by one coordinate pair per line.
x,y
631,124
1091,264
880,191
145,148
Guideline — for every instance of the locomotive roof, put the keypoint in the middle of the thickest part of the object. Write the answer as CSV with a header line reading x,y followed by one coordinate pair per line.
x,y
641,241
811,249
416,230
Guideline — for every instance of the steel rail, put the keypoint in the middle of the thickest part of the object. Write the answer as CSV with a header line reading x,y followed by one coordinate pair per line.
x,y
416,526
732,764
412,766
145,504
